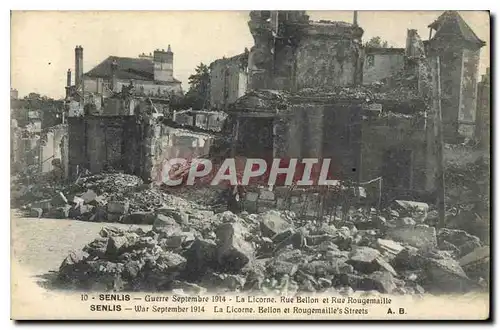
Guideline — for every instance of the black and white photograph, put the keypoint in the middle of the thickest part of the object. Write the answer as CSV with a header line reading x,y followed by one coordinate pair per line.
x,y
250,165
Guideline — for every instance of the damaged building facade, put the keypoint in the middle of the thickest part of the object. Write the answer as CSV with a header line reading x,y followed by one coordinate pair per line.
x,y
143,77
124,123
278,62
39,136
483,117
453,40
228,80
312,103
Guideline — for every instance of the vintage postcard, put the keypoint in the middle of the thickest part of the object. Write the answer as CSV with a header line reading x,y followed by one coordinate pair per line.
x,y
250,165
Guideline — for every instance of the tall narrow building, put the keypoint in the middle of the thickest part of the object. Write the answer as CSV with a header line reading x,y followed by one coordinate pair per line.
x,y
458,47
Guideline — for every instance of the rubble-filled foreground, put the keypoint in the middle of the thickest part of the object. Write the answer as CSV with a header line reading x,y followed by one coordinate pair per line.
x,y
190,247
268,253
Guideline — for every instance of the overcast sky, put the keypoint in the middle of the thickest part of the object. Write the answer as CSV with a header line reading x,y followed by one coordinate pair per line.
x,y
42,43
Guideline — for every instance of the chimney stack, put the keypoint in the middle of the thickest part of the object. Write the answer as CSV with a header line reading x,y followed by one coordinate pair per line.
x,y
68,78
114,79
78,66
355,18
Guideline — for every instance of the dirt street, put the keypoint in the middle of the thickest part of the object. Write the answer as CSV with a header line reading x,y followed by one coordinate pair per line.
x,y
38,246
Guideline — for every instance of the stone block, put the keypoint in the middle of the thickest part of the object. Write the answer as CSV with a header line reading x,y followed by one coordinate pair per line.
x,y
446,275
139,218
118,244
179,216
118,207
162,221
418,236
89,196
385,245
272,223
114,217
99,215
200,256
252,196
233,250
280,268
266,195
281,203
250,206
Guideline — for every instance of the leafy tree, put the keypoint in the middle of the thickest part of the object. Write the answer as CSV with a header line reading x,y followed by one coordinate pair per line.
x,y
377,42
198,95
178,102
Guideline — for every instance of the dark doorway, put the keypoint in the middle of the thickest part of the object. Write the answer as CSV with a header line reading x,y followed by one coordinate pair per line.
x,y
255,138
397,171
113,145
342,141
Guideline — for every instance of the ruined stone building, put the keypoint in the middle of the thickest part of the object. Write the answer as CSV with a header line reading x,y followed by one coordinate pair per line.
x,y
38,136
135,143
483,116
458,48
306,99
150,76
382,63
228,80
119,117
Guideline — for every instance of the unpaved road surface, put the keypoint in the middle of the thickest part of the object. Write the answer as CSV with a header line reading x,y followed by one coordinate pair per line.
x,y
38,246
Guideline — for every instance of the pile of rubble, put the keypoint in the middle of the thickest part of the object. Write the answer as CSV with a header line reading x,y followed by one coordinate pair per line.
x,y
107,197
374,92
468,196
274,252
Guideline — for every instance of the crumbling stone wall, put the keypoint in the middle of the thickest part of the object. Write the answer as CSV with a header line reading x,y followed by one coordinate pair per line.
x,y
316,130
228,80
402,134
97,142
163,143
119,107
54,146
25,148
325,62
305,130
451,77
468,93
17,152
328,55
76,145
102,144
469,85
461,154
382,64
261,199
483,111
130,144
43,150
